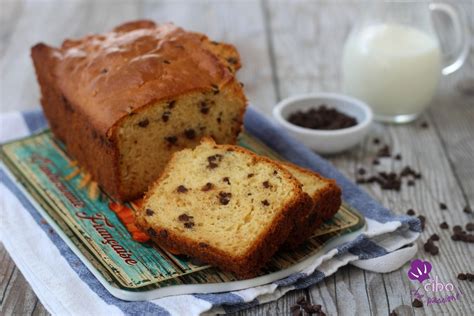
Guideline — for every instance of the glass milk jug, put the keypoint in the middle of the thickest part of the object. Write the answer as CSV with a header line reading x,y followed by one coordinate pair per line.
x,y
393,61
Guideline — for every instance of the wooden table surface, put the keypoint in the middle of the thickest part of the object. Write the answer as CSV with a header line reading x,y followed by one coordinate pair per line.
x,y
287,47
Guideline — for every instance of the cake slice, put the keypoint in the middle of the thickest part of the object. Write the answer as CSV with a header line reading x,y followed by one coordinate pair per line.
x,y
326,196
224,206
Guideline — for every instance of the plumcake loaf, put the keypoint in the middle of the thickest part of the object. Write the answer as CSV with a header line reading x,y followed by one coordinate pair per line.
x,y
326,196
224,206
124,101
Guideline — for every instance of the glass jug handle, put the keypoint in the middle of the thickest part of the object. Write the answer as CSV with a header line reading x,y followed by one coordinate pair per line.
x,y
461,31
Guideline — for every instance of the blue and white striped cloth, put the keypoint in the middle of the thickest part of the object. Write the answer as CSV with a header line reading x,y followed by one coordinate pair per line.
x,y
65,286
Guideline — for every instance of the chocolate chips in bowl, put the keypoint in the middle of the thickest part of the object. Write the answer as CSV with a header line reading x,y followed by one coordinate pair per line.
x,y
328,123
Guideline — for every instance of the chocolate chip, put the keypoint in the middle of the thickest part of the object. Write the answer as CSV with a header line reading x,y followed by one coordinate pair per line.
x,y
470,227
165,116
393,313
265,202
384,152
422,221
375,162
208,186
172,140
224,197
410,183
226,180
457,229
467,210
376,141
266,184
417,303
189,224
444,225
232,60
182,189
434,237
171,104
443,206
312,309
213,161
104,71
164,233
322,118
151,232
203,245
165,61
190,133
411,212
301,300
250,175
149,212
398,157
297,312
424,125
215,88
184,217
361,171
143,123
275,172
462,276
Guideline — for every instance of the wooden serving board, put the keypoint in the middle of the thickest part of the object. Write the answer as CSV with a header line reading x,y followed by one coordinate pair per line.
x,y
130,270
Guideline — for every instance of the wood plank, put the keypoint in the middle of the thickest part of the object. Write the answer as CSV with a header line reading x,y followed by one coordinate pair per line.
x,y
310,27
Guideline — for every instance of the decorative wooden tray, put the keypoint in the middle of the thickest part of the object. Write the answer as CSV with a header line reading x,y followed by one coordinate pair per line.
x,y
82,216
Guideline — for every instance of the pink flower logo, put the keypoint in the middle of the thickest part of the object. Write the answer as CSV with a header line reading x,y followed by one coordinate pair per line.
x,y
419,270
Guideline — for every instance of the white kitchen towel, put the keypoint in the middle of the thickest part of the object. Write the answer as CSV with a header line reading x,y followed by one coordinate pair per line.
x,y
66,287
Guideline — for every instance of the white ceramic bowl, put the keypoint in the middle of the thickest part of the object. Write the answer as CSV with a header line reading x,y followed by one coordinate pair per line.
x,y
326,141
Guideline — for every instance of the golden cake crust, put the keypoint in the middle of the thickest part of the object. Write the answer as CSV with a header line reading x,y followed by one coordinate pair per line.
x,y
90,86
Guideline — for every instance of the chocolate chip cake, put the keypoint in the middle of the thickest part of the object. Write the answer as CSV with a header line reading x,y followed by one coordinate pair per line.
x,y
326,196
124,101
224,206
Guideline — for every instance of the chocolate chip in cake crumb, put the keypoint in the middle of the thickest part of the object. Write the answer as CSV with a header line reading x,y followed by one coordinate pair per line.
x,y
104,71
171,104
185,217
266,184
190,133
163,233
250,175
149,212
143,123
213,161
208,186
444,225
166,61
165,116
189,224
182,189
265,202
215,88
411,212
224,197
151,232
443,206
204,107
232,60
417,303
203,245
226,180
172,140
